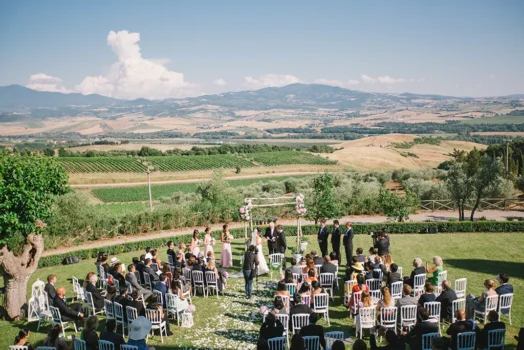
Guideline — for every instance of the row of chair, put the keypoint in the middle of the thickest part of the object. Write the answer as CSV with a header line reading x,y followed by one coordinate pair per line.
x,y
310,342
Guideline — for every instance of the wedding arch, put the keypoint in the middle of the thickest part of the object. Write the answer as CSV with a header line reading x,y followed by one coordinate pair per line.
x,y
251,204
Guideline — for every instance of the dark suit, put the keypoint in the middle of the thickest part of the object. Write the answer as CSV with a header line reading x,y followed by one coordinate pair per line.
x,y
322,236
335,243
417,271
51,294
298,309
504,289
162,288
69,313
139,306
382,246
446,299
329,268
152,275
457,328
312,330
271,235
482,339
281,242
171,253
271,332
319,260
392,277
98,299
113,337
414,337
348,244
131,278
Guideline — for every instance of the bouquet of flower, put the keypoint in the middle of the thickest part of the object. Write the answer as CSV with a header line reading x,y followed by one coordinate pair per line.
x,y
263,310
244,213
300,208
225,274
213,241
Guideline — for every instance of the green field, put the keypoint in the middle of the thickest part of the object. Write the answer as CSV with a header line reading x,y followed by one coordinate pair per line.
x,y
101,165
187,163
500,119
232,322
141,193
288,157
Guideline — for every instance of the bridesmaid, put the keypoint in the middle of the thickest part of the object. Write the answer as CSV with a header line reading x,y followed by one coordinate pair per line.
x,y
226,258
208,242
195,242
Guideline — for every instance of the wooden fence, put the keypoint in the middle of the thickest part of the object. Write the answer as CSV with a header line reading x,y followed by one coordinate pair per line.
x,y
485,204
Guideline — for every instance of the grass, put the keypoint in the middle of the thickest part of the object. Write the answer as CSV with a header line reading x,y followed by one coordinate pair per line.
x,y
232,322
500,119
140,193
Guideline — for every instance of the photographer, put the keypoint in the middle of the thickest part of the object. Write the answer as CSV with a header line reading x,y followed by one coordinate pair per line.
x,y
381,242
249,269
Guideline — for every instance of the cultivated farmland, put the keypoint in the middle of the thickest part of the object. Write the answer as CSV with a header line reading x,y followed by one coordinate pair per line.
x,y
288,157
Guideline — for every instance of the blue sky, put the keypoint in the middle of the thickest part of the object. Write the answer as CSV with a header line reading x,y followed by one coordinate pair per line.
x,y
179,48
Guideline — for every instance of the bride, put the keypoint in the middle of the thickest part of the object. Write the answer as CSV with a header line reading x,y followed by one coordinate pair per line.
x,y
256,240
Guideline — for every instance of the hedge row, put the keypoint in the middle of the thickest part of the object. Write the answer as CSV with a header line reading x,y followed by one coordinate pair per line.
x,y
393,227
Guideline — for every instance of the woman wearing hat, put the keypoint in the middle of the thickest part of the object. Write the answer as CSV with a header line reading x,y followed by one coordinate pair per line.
x,y
138,331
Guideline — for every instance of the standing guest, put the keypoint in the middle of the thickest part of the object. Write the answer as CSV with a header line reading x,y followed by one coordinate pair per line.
x,y
479,303
347,241
494,324
208,242
98,299
22,338
195,243
226,258
393,276
446,299
111,336
171,250
55,340
138,305
139,329
131,278
428,296
435,270
361,258
322,236
50,289
271,236
313,330
335,240
418,270
68,313
414,337
89,334
249,270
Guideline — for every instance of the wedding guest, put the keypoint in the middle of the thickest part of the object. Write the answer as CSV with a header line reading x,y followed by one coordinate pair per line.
x,y
22,338
479,303
428,295
153,304
195,243
212,267
226,258
171,250
208,241
89,334
98,299
111,336
435,270
361,258
281,289
56,341
138,332
50,289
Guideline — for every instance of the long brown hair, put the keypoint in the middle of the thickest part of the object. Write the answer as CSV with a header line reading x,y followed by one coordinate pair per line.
x,y
365,298
386,296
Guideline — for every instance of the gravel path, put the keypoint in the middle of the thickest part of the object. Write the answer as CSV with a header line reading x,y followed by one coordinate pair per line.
x,y
422,216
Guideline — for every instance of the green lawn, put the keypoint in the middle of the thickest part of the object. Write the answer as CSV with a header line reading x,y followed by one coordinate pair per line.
x,y
232,322
140,193
500,119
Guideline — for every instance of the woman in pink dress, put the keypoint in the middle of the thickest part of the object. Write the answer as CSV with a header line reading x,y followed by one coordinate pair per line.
x,y
208,242
195,242
226,258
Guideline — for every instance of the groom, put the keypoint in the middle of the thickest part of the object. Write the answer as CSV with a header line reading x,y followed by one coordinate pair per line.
x,y
271,236
281,240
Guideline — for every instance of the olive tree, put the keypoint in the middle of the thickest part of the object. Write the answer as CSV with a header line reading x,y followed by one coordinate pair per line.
x,y
28,186
398,207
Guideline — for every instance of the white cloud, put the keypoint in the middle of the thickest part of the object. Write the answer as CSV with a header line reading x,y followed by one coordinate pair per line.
x,y
271,80
367,79
220,82
44,82
353,82
133,76
387,80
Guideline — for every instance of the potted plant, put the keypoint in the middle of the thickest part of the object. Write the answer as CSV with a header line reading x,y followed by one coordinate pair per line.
x,y
303,244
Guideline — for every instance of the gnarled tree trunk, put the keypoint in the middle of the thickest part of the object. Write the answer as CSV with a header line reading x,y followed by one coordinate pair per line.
x,y
17,269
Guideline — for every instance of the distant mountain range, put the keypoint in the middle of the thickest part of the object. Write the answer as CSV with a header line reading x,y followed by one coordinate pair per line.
x,y
294,96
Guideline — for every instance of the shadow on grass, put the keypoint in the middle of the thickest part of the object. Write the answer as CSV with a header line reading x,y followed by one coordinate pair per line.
x,y
489,267
239,335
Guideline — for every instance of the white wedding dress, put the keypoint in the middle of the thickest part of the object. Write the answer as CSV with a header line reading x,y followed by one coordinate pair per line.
x,y
262,264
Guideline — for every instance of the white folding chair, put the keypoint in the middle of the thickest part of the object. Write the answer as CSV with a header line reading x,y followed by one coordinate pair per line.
x,y
159,297
117,286
138,279
128,347
367,319
312,342
348,290
79,344
357,297
187,274
298,321
41,306
306,299
466,341
79,291
378,273
326,282
18,347
318,267
172,307
57,319
91,305
131,314
291,288
170,260
427,340
496,339
108,306
198,282
129,288
374,284
331,337
156,322
296,276
336,277
433,308
285,300
105,345
388,318
275,260
278,343
154,267
408,316
505,302
119,317
147,281
321,305
396,289
491,303
418,284
459,304
211,280
442,276
460,287
102,278
284,319
375,295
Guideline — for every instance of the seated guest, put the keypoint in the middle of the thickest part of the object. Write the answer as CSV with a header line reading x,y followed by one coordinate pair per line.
x,y
199,265
365,301
393,276
110,293
87,279
153,304
369,274
297,342
120,275
209,256
359,287
370,259
414,337
313,330
281,289
136,304
279,307
494,323
112,267
147,269
123,299
407,299
312,275
50,289
56,341
387,261
212,267
111,336
139,329
22,339
446,299
68,313
179,261
386,300
155,259
89,334
318,260
392,340
131,278
171,250
299,307
361,258
435,270
328,267
162,286
310,265
148,253
479,303
317,289
460,326
418,270
271,328
288,277
359,344
103,261
356,269
333,259
339,345
295,268
504,288
305,289
428,295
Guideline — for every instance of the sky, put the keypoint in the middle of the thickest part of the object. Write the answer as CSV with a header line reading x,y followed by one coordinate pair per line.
x,y
170,49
